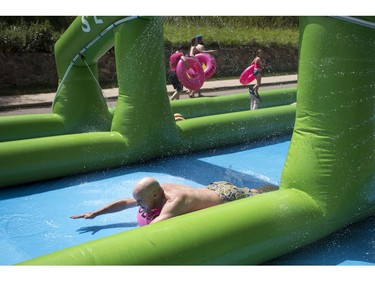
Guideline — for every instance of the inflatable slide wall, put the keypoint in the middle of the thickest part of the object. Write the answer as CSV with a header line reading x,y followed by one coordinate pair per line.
x,y
328,179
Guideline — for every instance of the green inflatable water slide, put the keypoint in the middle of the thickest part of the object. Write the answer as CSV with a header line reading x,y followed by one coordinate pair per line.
x,y
328,178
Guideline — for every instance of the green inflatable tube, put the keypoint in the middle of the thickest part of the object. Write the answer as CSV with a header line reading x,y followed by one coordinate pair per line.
x,y
327,182
231,103
30,126
44,125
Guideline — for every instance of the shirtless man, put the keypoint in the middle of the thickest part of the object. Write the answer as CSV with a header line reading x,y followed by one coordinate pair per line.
x,y
176,199
198,48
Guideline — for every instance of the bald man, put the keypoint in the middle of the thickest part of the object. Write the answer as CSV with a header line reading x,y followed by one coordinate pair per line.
x,y
176,199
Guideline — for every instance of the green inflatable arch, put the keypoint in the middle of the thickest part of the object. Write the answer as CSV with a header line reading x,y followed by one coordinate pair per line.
x,y
327,182
82,134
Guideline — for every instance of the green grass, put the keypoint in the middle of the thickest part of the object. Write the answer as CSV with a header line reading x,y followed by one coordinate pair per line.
x,y
39,34
235,36
230,31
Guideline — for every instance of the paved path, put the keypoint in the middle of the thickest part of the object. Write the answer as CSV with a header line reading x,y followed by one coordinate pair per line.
x,y
45,99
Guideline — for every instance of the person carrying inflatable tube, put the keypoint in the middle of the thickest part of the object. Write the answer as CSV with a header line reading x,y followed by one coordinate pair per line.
x,y
205,57
249,74
173,61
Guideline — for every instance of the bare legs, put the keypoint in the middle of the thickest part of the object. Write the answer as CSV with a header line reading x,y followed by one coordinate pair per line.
x,y
254,95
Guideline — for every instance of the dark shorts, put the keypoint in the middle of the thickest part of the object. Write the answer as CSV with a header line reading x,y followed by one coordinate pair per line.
x,y
175,82
228,192
254,94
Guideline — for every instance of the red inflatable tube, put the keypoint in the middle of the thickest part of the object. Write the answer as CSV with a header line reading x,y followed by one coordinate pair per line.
x,y
144,218
208,64
192,78
247,75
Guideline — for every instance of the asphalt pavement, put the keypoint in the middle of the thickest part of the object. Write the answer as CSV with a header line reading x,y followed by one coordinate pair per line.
x,y
45,99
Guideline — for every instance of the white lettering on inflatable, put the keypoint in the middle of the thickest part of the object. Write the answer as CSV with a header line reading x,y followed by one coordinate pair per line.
x,y
85,25
97,20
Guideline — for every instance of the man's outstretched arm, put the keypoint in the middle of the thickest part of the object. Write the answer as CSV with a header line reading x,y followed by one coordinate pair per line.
x,y
113,207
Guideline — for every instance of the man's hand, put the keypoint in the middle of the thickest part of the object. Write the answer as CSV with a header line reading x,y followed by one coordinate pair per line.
x,y
90,215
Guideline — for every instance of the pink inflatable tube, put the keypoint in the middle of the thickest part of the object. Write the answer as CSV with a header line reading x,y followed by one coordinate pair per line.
x,y
247,75
192,78
144,218
208,64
